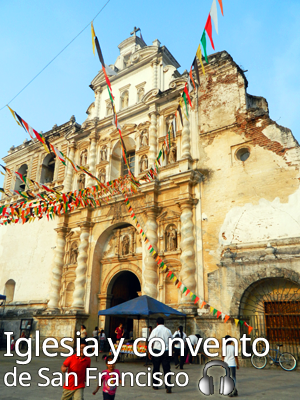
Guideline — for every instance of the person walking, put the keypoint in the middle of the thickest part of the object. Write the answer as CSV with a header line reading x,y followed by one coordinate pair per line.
x,y
177,348
165,334
102,340
96,333
119,332
77,365
194,340
233,363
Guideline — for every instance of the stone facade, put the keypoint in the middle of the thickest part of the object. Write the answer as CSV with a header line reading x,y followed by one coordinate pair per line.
x,y
223,212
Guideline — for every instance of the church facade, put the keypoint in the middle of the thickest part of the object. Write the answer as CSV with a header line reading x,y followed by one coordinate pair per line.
x,y
223,213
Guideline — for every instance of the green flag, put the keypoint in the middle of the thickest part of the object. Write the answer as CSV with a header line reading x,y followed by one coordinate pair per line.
x,y
203,41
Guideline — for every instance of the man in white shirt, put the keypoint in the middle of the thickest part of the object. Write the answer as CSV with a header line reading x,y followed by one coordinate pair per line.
x,y
165,334
233,363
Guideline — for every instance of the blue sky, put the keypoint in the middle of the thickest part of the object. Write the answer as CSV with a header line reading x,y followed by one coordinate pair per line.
x,y
261,36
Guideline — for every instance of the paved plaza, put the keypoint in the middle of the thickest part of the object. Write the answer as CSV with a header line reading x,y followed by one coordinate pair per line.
x,y
268,384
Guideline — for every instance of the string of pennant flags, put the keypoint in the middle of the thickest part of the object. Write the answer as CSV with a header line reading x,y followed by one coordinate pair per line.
x,y
172,275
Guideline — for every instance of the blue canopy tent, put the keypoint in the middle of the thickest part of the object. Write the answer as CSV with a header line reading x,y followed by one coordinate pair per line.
x,y
141,307
2,297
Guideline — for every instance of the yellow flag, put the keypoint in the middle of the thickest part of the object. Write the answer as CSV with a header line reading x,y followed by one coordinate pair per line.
x,y
199,55
211,309
93,37
14,115
191,294
236,322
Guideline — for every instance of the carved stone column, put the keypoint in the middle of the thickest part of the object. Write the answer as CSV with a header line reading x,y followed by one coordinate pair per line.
x,y
186,140
150,278
80,281
92,159
58,264
187,258
152,138
69,170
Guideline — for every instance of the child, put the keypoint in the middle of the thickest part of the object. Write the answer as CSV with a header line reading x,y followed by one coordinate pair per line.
x,y
109,391
12,344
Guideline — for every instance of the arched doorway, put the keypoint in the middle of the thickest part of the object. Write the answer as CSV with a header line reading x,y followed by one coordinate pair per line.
x,y
123,287
272,307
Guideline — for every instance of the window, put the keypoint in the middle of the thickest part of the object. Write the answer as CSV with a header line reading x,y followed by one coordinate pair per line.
x,y
131,162
243,154
19,185
69,294
48,168
10,290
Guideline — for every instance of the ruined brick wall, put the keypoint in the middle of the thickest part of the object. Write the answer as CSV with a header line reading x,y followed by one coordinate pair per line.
x,y
254,201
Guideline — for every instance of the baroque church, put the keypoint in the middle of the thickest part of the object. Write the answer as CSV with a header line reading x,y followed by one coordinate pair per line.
x,y
223,212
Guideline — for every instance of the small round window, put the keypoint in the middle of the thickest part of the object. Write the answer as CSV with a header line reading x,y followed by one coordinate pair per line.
x,y
243,154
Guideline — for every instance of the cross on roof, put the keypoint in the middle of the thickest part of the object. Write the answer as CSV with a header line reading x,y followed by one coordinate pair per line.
x,y
135,30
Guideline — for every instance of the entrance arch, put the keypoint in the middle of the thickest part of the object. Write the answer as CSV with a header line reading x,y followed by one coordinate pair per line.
x,y
124,286
272,307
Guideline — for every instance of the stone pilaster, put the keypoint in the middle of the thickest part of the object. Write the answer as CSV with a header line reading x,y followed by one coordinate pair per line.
x,y
152,138
150,278
186,140
58,264
80,281
70,170
187,258
92,159
155,80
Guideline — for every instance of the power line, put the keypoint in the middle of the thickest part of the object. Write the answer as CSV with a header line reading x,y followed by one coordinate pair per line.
x,y
39,73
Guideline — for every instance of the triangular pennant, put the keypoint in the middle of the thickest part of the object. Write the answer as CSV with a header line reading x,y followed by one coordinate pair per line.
x,y
226,318
218,313
249,329
211,309
214,14
196,300
236,322
215,311
208,28
242,323
203,304
187,292
185,289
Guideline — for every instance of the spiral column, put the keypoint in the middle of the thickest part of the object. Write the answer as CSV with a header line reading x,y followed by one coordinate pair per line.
x,y
152,138
80,281
186,141
187,258
58,263
150,277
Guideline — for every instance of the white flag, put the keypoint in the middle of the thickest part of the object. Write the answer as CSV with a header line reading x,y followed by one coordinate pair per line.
x,y
214,14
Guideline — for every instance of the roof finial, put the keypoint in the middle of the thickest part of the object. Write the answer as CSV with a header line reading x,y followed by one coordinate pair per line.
x,y
135,30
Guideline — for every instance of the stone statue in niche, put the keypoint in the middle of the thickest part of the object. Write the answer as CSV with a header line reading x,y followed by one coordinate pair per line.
x,y
144,139
144,163
124,100
103,152
125,245
102,175
172,155
83,157
141,93
81,182
171,242
74,254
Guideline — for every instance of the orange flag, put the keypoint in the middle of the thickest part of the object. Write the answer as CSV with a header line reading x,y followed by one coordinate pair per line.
x,y
203,304
249,329
226,318
221,6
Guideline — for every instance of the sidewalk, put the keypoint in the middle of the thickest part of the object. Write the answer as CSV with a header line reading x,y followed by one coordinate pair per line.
x,y
268,384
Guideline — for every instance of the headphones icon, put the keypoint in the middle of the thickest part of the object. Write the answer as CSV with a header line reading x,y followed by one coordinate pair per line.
x,y
206,383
